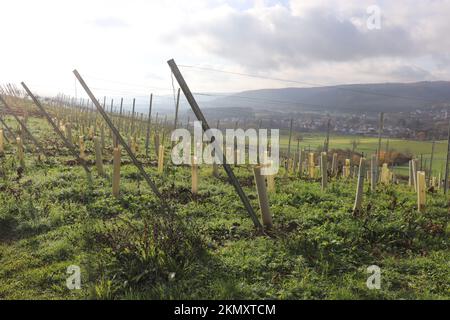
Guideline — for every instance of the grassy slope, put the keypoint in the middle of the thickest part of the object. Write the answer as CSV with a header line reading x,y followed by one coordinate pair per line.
x,y
49,219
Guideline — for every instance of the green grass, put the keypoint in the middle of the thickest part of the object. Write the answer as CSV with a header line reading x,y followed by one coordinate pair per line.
x,y
369,145
128,249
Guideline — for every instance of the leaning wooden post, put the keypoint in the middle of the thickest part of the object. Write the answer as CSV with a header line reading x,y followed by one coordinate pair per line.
x,y
324,169
205,126
20,153
177,105
194,172
360,185
421,191
262,197
98,156
116,172
161,159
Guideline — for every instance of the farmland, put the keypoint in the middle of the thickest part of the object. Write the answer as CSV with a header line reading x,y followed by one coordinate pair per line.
x,y
127,248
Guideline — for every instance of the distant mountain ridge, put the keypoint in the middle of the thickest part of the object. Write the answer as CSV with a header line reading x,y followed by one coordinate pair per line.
x,y
386,97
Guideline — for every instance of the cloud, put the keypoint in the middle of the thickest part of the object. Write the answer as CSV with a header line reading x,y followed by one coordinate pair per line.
x,y
273,37
110,22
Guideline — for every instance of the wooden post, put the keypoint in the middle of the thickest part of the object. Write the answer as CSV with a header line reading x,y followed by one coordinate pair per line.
x,y
91,132
421,191
82,147
324,169
69,132
177,105
447,162
432,157
132,117
2,150
414,171
411,173
311,166
102,137
289,147
334,164
385,174
360,185
262,197
194,172
149,124
346,169
98,156
205,126
296,156
116,172
20,152
161,159
300,162
373,172
327,140
156,144
380,132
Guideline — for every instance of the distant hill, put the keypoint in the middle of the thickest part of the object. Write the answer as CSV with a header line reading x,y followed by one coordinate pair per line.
x,y
387,97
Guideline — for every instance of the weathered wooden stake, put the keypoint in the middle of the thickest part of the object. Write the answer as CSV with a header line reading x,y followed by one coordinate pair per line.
x,y
194,172
20,152
334,164
149,123
98,156
324,169
360,185
116,172
300,162
69,132
373,173
414,171
161,159
82,147
421,191
262,197
346,169
312,166
2,150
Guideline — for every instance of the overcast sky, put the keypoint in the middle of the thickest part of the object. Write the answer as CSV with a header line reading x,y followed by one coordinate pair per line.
x,y
121,47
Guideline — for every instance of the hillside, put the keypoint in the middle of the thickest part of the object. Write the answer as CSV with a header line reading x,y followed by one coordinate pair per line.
x,y
391,97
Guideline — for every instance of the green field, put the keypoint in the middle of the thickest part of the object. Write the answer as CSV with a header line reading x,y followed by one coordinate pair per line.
x,y
128,248
368,145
